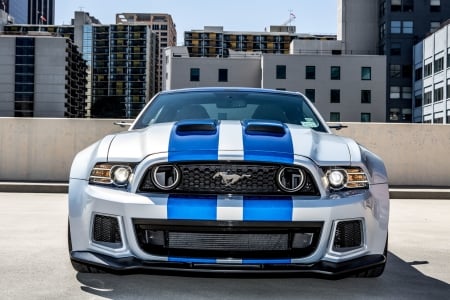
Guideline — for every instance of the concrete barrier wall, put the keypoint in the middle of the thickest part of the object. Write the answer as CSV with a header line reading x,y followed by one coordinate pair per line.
x,y
33,149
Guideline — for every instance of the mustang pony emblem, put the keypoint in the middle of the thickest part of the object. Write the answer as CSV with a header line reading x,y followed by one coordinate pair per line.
x,y
229,179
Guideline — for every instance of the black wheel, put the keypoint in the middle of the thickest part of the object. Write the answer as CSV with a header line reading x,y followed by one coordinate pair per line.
x,y
375,271
80,267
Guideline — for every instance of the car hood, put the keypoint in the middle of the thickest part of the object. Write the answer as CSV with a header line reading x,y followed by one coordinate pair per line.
x,y
255,140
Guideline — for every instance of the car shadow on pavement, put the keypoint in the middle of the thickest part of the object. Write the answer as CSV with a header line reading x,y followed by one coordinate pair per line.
x,y
399,281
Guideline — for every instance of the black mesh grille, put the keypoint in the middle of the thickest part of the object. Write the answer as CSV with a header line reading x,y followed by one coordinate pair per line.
x,y
229,242
205,178
227,239
348,235
106,229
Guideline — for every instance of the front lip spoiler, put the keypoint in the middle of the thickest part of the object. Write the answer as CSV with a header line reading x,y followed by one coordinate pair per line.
x,y
321,268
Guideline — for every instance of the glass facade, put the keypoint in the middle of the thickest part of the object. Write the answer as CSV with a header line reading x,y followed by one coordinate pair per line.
x,y
18,9
24,77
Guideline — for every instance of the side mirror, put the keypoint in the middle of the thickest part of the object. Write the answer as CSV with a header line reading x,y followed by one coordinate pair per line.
x,y
337,126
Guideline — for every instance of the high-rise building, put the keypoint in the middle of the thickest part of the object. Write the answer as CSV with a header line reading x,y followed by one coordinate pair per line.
x,y
393,27
164,28
42,76
41,12
121,62
30,11
432,78
213,41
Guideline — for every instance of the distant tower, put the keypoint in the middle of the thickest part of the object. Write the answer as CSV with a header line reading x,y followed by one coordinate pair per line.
x,y
41,12
30,11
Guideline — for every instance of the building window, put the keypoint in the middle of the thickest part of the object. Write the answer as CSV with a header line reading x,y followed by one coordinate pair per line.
x,y
394,114
155,26
408,5
335,73
394,92
427,98
335,96
396,49
439,65
311,94
448,58
366,96
310,72
408,27
335,117
396,5
406,92
428,70
418,100
365,117
366,73
395,71
418,74
195,74
281,72
439,94
402,27
396,27
407,71
223,75
448,88
434,26
435,5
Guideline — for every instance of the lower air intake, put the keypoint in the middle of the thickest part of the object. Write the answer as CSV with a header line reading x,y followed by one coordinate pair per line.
x,y
106,231
348,236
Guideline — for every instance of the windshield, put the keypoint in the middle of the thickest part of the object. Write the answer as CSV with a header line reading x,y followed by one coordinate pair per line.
x,y
229,105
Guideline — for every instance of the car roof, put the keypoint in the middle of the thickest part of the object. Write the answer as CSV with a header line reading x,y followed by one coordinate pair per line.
x,y
229,89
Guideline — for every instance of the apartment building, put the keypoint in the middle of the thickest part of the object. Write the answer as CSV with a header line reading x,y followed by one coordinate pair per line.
x,y
343,87
41,76
164,28
213,41
432,77
121,61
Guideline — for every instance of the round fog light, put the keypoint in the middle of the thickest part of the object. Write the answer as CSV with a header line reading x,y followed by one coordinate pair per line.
x,y
336,178
121,175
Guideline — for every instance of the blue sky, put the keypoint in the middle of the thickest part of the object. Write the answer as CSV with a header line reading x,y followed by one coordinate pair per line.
x,y
312,16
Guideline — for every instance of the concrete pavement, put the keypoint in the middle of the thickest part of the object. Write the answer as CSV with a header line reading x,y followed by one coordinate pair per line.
x,y
35,264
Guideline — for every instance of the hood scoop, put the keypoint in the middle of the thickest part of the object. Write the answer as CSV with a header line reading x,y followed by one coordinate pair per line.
x,y
196,127
257,127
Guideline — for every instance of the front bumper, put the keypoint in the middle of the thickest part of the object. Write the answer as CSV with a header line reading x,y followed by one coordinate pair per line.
x,y
370,206
321,268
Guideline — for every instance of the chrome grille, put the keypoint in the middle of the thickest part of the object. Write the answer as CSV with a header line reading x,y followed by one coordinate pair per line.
x,y
205,178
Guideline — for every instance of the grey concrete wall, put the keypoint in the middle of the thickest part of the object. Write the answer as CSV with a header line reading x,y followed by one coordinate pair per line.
x,y
43,149
35,149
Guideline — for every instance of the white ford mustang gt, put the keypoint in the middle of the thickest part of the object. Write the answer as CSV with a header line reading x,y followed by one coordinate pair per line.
x,y
229,180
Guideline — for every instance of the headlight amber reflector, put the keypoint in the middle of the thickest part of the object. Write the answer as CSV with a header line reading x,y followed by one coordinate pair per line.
x,y
350,178
105,173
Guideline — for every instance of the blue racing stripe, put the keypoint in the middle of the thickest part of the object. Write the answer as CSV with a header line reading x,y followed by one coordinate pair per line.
x,y
268,209
266,143
194,140
189,208
192,260
267,261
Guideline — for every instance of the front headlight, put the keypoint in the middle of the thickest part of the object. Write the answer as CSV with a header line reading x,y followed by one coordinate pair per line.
x,y
118,174
346,177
